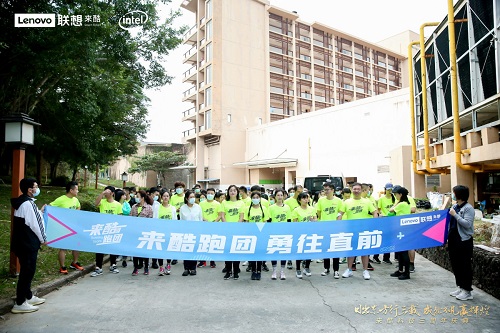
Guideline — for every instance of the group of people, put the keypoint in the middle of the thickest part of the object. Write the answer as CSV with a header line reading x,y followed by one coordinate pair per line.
x,y
238,204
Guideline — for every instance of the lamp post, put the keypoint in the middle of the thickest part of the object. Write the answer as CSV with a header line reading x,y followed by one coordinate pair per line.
x,y
20,132
124,178
85,177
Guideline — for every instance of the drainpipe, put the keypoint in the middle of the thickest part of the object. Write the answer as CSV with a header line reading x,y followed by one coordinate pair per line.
x,y
424,99
412,110
454,99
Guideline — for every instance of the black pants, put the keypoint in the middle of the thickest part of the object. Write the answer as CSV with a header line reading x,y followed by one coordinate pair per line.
x,y
275,262
99,257
190,265
335,264
232,266
297,264
138,260
256,266
386,256
404,262
461,259
26,274
159,261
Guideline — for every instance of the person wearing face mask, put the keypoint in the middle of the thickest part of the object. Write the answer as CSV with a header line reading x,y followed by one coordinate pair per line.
x,y
292,197
256,212
460,242
165,212
210,211
121,197
28,234
177,200
154,193
279,212
338,192
303,213
142,209
107,205
402,207
190,211
385,203
197,189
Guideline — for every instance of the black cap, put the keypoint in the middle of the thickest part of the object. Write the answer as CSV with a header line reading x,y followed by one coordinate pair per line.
x,y
396,188
338,188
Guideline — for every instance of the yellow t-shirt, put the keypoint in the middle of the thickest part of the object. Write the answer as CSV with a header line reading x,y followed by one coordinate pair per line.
x,y
66,202
280,214
329,209
384,204
167,213
292,203
358,209
177,201
252,214
210,210
247,200
303,215
232,209
402,208
113,207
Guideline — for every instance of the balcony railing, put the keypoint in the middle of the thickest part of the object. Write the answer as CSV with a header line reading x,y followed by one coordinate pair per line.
x,y
287,112
203,20
306,76
190,72
190,32
188,112
202,41
319,43
319,79
190,52
189,132
320,98
189,92
306,95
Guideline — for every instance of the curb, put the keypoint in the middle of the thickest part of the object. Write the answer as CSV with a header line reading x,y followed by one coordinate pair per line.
x,y
47,287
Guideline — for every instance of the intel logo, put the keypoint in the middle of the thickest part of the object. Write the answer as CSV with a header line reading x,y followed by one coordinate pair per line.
x,y
408,221
133,19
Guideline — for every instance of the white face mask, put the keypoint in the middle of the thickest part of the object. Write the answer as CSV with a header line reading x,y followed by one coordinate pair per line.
x,y
37,192
179,190
255,201
271,202
191,201
155,198
197,190
210,197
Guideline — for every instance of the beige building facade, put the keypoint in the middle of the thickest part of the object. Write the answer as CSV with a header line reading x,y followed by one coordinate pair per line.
x,y
250,63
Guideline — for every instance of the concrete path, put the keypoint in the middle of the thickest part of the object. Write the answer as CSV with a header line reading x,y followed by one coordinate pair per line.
x,y
207,303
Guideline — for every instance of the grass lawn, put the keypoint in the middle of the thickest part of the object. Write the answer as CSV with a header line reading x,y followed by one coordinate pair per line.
x,y
47,264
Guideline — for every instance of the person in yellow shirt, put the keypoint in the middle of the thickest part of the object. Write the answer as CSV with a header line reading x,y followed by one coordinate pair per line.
x,y
231,211
413,210
385,203
244,195
303,213
357,208
328,209
256,212
165,211
292,200
210,210
177,200
70,201
279,212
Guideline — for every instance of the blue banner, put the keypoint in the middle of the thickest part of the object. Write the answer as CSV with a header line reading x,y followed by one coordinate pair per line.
x,y
219,241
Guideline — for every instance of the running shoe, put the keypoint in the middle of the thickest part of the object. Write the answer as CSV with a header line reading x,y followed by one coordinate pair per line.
x,y
63,270
36,300
114,269
76,265
336,275
227,276
96,272
366,275
376,260
289,264
146,270
307,272
161,272
24,308
298,274
325,272
347,274
264,267
274,276
282,275
167,269
135,272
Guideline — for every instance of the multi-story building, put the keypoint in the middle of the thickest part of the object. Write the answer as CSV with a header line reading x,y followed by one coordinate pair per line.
x,y
457,95
251,63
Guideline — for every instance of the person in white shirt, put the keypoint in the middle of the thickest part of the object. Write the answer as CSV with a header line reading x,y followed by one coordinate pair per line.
x,y
190,211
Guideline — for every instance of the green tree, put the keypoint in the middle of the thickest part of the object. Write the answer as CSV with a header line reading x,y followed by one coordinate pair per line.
x,y
84,84
159,162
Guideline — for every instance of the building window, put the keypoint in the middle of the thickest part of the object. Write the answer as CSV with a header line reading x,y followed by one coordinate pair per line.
x,y
208,9
208,74
208,96
208,52
208,119
228,117
209,30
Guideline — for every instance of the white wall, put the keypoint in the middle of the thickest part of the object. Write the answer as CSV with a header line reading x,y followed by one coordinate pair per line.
x,y
354,138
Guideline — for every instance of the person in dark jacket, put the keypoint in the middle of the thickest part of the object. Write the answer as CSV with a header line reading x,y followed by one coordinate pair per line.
x,y
28,235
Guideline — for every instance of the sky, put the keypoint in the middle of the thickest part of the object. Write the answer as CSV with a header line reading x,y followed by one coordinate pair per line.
x,y
371,20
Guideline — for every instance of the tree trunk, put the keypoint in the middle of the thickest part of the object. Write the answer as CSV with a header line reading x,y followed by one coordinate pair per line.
x,y
73,178
38,173
53,170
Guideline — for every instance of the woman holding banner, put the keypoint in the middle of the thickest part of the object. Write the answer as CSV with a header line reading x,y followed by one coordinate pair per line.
x,y
165,211
231,211
303,213
402,207
190,211
142,209
279,212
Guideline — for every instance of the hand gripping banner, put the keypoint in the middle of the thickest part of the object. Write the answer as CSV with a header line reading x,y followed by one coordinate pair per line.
x,y
219,241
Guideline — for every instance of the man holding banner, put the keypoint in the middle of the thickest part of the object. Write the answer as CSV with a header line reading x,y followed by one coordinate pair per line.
x,y
107,205
357,208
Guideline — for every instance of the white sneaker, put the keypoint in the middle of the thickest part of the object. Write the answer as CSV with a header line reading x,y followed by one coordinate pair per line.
x,y
347,273
456,292
298,274
114,269
245,263
307,272
273,276
97,272
336,275
319,261
325,272
464,295
282,276
36,300
366,275
24,308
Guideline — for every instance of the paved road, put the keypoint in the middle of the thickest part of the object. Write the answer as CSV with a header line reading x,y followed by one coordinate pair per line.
x,y
207,303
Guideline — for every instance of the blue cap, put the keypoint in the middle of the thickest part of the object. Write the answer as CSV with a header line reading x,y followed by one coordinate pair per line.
x,y
388,186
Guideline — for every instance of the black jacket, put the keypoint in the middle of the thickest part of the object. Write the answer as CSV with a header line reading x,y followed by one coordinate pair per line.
x,y
24,240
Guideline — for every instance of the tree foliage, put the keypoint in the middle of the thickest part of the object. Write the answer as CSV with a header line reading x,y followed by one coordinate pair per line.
x,y
84,84
159,162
